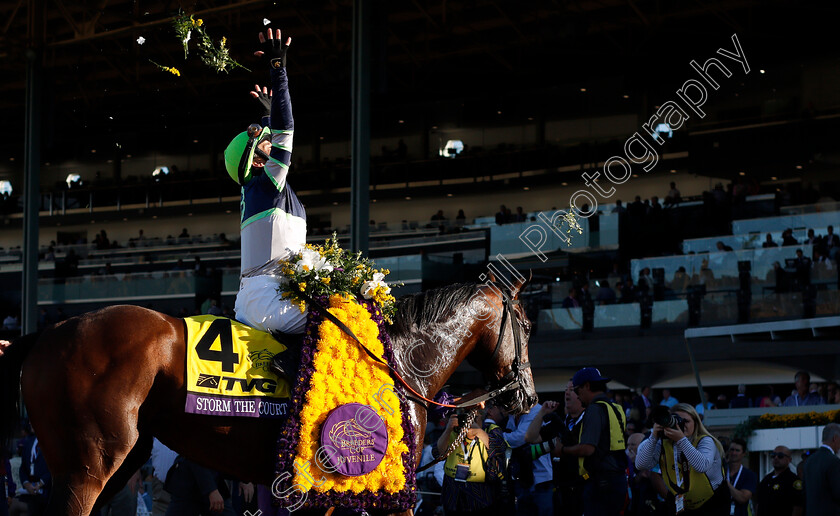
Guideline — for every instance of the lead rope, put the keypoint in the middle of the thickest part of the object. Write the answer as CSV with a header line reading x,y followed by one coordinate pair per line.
x,y
462,434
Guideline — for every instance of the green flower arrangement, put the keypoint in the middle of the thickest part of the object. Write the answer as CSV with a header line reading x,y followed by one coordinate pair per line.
x,y
324,270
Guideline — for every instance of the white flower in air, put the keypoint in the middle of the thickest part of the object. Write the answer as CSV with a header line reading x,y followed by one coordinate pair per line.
x,y
266,21
141,40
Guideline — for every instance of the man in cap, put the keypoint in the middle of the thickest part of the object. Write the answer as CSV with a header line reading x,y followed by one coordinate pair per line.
x,y
273,221
601,449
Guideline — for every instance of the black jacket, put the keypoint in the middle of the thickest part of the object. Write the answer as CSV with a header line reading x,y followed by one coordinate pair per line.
x,y
822,484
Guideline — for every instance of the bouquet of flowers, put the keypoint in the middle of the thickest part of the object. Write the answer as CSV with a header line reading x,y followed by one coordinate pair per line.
x,y
216,57
325,270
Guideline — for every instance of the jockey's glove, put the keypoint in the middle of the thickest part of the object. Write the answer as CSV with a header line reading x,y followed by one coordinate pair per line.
x,y
275,49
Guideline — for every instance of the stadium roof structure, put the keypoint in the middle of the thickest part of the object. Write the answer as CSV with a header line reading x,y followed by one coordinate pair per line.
x,y
480,60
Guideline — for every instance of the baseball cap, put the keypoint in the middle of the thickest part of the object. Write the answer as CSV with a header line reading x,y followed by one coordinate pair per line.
x,y
588,374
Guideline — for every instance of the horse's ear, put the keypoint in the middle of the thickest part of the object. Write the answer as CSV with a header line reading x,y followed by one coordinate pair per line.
x,y
520,285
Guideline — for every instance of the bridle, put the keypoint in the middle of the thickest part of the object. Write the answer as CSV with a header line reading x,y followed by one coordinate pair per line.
x,y
513,378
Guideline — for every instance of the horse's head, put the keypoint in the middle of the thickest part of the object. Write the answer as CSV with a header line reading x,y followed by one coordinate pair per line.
x,y
503,348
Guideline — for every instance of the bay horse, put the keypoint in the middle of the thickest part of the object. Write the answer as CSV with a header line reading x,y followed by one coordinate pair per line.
x,y
100,386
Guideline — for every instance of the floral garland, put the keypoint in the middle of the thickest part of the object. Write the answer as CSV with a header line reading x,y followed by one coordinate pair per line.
x,y
327,270
392,485
745,429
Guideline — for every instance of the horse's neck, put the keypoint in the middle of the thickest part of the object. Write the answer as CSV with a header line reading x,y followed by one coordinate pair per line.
x,y
428,359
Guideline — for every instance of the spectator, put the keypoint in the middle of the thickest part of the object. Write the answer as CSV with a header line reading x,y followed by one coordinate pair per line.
x,y
668,400
709,405
742,482
812,239
520,215
198,268
769,399
768,242
740,400
787,238
438,216
461,219
821,263
11,323
642,404
801,396
831,243
179,265
7,483
643,495
34,476
619,208
571,301
673,196
722,401
548,435
637,209
501,216
184,233
628,292
780,492
606,295
723,247
534,495
162,460
655,208
822,475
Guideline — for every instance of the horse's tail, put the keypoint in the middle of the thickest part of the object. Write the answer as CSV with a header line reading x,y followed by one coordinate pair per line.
x,y
10,366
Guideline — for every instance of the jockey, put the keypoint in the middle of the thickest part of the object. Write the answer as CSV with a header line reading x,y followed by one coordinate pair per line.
x,y
273,221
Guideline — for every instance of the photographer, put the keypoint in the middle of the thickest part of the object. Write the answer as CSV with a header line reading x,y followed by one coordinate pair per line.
x,y
690,459
473,471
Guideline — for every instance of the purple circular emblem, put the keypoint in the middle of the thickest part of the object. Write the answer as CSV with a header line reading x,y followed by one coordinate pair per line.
x,y
354,439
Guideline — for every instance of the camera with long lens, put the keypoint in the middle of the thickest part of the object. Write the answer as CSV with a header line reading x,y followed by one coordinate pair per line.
x,y
662,416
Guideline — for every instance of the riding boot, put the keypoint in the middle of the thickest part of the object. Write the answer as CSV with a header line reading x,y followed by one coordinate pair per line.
x,y
286,364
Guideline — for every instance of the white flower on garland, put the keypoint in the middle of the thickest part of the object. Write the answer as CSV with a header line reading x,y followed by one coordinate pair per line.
x,y
311,260
369,287
141,40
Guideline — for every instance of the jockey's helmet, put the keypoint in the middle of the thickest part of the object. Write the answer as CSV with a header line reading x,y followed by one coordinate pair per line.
x,y
239,154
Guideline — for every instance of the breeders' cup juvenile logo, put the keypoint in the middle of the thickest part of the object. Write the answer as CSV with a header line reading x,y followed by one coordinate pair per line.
x,y
355,439
261,359
349,434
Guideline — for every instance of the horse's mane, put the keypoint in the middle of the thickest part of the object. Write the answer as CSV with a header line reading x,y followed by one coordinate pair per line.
x,y
432,305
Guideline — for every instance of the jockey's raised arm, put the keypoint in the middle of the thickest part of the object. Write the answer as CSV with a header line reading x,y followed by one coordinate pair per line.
x,y
272,219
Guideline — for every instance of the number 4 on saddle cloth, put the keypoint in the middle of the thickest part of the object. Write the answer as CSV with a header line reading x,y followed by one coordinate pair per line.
x,y
235,370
